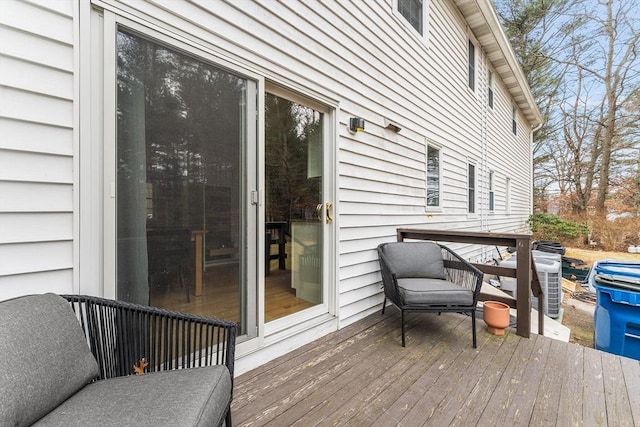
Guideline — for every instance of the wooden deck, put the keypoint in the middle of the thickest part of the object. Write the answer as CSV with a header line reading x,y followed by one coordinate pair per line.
x,y
361,376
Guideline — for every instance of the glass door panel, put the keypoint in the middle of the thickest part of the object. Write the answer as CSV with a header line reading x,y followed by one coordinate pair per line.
x,y
181,217
294,210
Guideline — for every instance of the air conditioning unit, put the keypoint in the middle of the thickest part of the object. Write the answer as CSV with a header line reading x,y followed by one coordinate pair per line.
x,y
549,267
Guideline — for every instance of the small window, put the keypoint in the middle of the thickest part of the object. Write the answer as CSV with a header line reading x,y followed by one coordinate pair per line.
x,y
508,196
472,66
433,177
491,193
472,188
514,122
412,12
490,90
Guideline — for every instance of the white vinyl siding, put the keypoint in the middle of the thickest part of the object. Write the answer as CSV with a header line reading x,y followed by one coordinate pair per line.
x,y
357,57
36,147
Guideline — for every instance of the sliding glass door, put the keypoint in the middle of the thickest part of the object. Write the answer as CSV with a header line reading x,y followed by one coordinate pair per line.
x,y
296,210
210,218
182,219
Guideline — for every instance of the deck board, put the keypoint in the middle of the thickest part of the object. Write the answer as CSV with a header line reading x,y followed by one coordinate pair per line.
x,y
617,401
547,401
570,411
361,376
283,386
593,388
420,359
341,407
499,404
631,370
523,391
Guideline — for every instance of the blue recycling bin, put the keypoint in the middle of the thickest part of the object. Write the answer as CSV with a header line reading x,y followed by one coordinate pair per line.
x,y
617,315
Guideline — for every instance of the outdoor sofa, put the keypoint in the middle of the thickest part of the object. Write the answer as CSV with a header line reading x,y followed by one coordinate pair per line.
x,y
80,361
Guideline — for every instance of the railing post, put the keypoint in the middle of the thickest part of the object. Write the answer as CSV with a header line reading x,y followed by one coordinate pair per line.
x,y
523,285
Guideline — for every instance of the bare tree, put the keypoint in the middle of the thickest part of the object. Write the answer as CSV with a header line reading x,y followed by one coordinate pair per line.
x,y
582,61
537,33
603,76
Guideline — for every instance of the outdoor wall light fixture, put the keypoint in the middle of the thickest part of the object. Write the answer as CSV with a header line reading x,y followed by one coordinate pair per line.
x,y
356,124
392,126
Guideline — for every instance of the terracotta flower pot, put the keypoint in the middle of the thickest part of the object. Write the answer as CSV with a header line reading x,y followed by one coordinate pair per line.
x,y
496,316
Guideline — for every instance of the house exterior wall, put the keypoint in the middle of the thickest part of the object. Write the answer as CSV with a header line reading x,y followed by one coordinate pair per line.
x,y
361,58
36,147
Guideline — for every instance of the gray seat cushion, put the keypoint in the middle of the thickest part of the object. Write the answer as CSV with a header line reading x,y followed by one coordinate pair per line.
x,y
44,357
433,292
415,259
185,397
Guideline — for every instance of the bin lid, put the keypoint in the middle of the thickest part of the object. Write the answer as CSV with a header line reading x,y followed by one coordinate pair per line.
x,y
619,274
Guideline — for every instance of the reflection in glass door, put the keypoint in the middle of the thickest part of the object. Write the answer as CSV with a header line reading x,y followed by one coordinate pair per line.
x,y
294,209
180,190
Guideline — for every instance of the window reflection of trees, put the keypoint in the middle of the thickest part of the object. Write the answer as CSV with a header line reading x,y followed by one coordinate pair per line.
x,y
191,126
292,131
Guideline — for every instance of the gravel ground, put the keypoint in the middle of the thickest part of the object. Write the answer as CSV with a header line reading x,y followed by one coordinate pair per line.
x,y
579,319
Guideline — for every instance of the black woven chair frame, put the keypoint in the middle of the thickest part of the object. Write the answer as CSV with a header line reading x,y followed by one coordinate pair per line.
x,y
120,334
457,270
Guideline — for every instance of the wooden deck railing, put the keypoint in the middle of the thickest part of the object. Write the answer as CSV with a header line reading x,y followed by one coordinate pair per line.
x,y
525,272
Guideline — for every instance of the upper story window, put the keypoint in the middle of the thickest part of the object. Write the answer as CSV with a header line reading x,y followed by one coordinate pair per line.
x,y
507,196
412,12
433,177
490,89
491,192
472,188
472,66
514,121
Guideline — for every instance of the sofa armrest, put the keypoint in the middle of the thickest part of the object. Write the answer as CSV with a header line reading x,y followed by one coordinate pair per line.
x,y
120,334
389,278
462,272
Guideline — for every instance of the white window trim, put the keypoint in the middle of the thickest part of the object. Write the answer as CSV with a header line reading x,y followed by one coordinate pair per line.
x,y
98,99
492,191
471,41
98,225
426,177
475,213
507,196
403,21
491,79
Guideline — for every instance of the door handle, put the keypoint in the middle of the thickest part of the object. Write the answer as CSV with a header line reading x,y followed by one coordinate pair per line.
x,y
319,208
329,206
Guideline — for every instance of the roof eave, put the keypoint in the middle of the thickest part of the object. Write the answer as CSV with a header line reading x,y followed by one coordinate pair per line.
x,y
485,26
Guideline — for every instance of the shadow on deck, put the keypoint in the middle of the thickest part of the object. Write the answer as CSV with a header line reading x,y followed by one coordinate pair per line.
x,y
361,376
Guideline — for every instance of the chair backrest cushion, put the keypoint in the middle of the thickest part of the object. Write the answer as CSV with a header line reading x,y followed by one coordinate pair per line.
x,y
44,357
415,259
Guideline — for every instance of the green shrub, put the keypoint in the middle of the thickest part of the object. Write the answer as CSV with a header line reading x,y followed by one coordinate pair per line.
x,y
551,227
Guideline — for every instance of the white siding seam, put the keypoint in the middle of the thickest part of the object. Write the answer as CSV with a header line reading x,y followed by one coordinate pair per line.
x,y
39,64
39,123
44,95
43,5
36,35
300,76
27,273
26,151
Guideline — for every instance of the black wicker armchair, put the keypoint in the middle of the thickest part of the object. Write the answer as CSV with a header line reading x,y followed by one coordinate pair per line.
x,y
120,334
428,277
79,360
